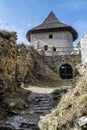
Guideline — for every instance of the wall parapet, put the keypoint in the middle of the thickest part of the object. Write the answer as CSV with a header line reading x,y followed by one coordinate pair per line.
x,y
54,51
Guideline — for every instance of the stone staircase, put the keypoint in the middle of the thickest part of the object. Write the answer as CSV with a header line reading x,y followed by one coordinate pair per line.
x,y
40,105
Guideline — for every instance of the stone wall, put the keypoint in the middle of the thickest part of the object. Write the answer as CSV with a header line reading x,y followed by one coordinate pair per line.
x,y
60,39
19,63
55,62
83,43
8,54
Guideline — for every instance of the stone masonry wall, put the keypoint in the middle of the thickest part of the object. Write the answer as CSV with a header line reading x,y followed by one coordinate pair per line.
x,y
83,43
60,39
8,54
55,62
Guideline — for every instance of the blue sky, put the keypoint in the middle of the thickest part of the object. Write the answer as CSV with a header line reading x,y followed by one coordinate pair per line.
x,y
22,15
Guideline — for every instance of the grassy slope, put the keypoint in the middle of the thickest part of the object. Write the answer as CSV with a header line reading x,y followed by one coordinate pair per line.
x,y
39,73
71,106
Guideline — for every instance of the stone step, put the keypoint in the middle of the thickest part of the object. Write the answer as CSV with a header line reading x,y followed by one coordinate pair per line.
x,y
29,124
42,105
42,99
41,108
42,111
43,102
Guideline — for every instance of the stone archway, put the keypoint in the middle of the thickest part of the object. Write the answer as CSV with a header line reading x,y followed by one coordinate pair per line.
x,y
66,71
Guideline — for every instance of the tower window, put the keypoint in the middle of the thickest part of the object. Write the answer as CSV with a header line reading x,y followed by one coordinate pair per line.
x,y
45,47
54,48
50,36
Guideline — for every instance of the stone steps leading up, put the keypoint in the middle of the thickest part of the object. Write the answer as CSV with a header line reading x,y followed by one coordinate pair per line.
x,y
40,105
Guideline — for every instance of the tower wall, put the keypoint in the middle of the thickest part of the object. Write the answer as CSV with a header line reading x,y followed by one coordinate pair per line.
x,y
63,41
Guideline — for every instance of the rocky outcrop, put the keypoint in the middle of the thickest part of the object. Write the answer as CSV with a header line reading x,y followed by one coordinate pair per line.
x,y
8,53
30,68
20,63
8,56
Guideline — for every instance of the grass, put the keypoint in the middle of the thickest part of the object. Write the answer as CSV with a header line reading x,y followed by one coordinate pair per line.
x,y
16,100
71,107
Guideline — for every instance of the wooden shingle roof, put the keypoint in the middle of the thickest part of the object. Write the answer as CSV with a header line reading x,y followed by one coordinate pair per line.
x,y
52,23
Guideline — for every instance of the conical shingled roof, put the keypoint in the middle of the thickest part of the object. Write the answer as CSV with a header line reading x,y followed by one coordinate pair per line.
x,y
51,18
51,23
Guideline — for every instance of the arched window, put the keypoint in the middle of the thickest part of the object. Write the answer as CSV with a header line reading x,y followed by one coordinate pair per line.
x,y
45,47
66,71
54,48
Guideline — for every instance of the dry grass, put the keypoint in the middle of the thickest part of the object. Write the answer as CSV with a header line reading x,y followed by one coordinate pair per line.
x,y
71,107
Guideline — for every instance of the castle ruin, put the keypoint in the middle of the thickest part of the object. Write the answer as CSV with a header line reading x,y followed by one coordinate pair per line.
x,y
55,40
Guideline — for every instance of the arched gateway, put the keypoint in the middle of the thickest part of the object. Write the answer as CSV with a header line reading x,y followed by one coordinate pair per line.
x,y
66,71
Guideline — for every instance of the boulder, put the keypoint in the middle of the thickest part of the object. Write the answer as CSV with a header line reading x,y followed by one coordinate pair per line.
x,y
83,122
15,121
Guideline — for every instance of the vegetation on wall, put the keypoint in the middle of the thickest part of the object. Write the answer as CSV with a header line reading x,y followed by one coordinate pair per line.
x,y
20,66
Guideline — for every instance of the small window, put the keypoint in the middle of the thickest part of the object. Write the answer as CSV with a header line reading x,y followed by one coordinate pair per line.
x,y
50,36
45,47
54,48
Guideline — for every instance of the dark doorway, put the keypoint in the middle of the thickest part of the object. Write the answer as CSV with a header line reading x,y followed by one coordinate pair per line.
x,y
66,71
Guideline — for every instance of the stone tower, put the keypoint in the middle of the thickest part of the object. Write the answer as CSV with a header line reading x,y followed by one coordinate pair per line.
x,y
55,40
52,36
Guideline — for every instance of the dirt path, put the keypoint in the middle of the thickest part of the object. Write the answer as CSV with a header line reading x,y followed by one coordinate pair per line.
x,y
45,90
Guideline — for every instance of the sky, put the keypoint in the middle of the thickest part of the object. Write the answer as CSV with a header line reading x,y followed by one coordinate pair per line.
x,y
22,15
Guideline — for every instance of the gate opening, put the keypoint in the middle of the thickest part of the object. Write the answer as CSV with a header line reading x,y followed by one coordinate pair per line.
x,y
66,71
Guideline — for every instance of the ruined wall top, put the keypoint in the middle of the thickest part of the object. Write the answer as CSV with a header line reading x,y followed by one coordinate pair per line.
x,y
84,39
83,43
